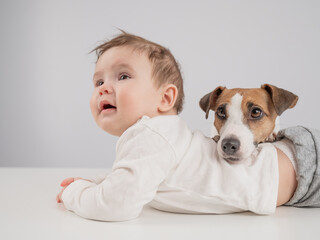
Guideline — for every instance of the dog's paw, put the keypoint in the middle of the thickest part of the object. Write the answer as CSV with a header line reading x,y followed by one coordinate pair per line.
x,y
216,138
271,138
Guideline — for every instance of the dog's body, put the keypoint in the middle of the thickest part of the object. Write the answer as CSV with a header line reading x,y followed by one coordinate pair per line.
x,y
246,117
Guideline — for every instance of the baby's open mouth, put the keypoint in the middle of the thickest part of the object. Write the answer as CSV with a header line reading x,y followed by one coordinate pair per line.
x,y
107,106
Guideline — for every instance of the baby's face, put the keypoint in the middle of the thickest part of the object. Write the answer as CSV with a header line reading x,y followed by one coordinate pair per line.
x,y
124,90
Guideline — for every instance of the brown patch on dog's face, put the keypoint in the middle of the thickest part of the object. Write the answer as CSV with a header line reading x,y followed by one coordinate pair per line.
x,y
258,110
259,113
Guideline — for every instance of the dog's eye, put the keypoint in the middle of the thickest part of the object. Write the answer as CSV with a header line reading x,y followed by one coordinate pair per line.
x,y
221,112
256,113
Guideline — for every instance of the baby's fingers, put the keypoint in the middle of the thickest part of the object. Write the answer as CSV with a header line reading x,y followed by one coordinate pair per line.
x,y
67,181
59,196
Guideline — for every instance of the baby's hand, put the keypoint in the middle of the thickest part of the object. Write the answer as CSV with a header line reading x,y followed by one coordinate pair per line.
x,y
65,183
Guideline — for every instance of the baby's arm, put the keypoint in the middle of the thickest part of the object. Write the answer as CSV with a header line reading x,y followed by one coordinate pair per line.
x,y
287,179
65,183
143,161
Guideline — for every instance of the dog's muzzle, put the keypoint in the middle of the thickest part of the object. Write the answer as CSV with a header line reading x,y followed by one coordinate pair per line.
x,y
230,146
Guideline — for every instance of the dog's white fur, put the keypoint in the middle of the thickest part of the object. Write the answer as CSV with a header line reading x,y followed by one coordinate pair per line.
x,y
235,128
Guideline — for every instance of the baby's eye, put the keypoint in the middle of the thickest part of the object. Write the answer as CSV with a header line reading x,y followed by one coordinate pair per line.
x,y
124,76
99,83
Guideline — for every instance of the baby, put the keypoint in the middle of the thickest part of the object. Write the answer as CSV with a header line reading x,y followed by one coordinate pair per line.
x,y
138,93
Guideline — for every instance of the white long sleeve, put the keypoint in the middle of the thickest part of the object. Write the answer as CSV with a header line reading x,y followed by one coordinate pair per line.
x,y
144,159
159,160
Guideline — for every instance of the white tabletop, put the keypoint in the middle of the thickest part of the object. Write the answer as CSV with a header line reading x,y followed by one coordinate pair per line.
x,y
28,210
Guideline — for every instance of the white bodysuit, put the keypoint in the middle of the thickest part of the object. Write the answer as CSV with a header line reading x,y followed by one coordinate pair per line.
x,y
161,162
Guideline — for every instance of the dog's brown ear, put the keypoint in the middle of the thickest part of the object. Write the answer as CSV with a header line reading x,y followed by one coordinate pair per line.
x,y
209,100
282,99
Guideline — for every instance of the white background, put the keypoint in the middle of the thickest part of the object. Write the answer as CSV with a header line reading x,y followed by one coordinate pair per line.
x,y
46,71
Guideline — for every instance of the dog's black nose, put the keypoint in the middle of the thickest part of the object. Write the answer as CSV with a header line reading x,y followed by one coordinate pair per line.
x,y
230,145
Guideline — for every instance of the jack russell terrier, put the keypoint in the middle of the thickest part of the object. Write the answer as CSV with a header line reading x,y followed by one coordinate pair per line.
x,y
246,117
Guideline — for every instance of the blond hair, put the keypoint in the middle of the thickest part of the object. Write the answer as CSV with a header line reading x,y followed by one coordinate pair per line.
x,y
165,68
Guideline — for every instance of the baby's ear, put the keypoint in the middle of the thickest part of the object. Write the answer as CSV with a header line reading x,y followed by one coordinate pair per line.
x,y
169,98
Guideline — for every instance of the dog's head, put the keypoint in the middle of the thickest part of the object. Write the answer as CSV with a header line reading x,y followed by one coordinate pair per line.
x,y
246,117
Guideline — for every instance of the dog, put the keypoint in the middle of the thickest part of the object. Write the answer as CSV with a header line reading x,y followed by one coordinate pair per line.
x,y
246,117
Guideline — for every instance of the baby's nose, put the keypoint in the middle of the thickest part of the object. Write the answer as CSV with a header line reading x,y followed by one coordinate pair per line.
x,y
105,89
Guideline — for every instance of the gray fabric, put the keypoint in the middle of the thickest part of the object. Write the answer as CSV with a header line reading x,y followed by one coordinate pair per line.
x,y
307,144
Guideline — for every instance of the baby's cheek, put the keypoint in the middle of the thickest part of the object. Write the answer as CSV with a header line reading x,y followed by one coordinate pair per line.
x,y
93,106
128,100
